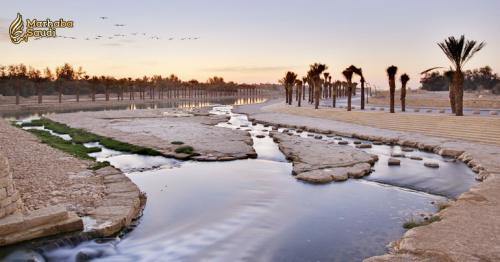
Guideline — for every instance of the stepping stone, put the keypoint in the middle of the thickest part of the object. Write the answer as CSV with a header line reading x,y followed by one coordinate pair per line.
x,y
274,128
431,164
343,142
476,112
381,109
416,110
377,143
442,111
393,162
310,134
407,149
318,137
356,142
398,155
260,136
429,111
338,138
299,131
364,146
373,108
416,158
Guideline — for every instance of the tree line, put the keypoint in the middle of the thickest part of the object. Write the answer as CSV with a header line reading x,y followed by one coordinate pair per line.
x,y
25,81
478,79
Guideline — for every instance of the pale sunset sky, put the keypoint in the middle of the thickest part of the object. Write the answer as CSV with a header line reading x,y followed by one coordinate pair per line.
x,y
253,41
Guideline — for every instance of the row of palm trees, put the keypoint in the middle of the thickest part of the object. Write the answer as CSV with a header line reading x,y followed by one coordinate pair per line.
x,y
458,50
20,80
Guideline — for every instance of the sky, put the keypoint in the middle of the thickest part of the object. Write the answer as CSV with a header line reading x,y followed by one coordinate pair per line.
x,y
254,41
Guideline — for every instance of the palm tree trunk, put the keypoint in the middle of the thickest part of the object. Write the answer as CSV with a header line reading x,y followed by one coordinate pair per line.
x,y
392,90
452,96
349,95
18,91
304,91
334,95
458,80
403,98
362,95
286,94
317,93
299,94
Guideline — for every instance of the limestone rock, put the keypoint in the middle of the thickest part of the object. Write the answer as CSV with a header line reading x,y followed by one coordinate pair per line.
x,y
393,162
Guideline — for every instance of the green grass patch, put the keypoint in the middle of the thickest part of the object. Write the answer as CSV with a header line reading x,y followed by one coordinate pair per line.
x,y
177,143
77,150
99,165
412,223
184,150
80,136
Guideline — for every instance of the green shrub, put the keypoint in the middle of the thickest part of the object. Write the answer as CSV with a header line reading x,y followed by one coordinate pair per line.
x,y
184,150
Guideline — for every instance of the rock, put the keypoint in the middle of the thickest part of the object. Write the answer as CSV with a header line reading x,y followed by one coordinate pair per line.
x,y
431,164
448,152
398,155
315,176
310,135
407,149
260,136
338,138
357,142
442,111
428,110
359,170
493,113
364,146
416,110
343,142
393,162
476,112
377,143
318,137
381,109
372,108
415,158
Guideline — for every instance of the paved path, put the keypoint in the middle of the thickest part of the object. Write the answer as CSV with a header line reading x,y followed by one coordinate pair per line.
x,y
470,128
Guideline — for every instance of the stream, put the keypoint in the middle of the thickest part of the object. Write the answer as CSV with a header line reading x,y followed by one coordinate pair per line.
x,y
254,210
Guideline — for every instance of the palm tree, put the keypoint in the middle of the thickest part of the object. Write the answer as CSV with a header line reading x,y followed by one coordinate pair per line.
x,y
348,76
404,80
391,73
304,81
325,84
289,81
298,83
459,52
449,76
315,75
359,72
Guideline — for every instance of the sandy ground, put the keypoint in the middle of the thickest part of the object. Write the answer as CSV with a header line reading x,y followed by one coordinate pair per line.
x,y
422,98
471,128
157,128
45,176
469,229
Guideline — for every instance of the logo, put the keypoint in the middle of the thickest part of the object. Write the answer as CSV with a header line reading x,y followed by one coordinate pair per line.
x,y
35,28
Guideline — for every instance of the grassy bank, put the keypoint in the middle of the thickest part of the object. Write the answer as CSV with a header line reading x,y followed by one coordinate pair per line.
x,y
80,136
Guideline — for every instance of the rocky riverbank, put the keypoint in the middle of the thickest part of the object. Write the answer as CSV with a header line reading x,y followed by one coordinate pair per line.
x,y
469,227
51,182
166,130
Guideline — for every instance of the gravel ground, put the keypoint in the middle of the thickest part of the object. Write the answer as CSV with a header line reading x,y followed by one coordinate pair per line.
x,y
45,176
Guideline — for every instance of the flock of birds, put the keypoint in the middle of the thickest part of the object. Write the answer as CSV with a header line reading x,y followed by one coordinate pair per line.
x,y
118,36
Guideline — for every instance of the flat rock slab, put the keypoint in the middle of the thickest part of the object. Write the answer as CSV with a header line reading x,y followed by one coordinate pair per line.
x,y
157,128
320,162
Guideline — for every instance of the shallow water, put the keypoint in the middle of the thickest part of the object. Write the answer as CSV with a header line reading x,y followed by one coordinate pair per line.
x,y
254,210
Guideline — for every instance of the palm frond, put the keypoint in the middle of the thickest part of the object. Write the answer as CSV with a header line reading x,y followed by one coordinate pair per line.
x,y
404,79
430,69
392,70
347,74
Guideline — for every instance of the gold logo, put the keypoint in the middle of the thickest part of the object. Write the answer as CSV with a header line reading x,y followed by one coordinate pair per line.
x,y
35,28
16,30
